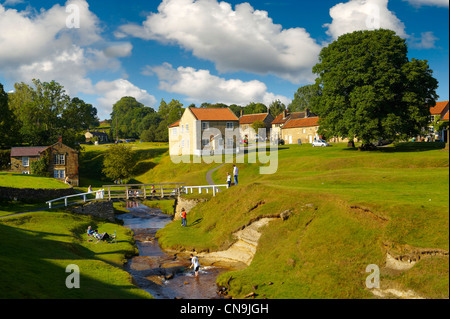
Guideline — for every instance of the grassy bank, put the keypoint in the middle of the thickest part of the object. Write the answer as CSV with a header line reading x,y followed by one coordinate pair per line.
x,y
37,247
17,180
365,204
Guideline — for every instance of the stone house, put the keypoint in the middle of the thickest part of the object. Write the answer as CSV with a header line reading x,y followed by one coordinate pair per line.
x,y
62,160
101,136
282,118
438,113
246,122
301,129
202,131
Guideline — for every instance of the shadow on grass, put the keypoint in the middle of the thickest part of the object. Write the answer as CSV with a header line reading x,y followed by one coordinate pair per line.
x,y
33,266
196,222
405,147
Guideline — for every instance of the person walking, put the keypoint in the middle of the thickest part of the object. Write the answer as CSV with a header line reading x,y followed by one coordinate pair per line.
x,y
195,264
229,180
235,174
183,218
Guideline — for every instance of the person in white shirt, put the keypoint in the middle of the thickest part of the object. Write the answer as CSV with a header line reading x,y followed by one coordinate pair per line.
x,y
195,264
235,174
229,180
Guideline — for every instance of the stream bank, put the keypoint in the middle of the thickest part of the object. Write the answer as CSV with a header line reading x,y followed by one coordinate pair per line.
x,y
165,275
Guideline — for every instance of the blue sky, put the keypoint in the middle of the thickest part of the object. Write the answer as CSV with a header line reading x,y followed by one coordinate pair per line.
x,y
199,51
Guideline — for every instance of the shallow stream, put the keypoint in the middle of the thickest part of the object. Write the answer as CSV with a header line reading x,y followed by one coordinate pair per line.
x,y
164,275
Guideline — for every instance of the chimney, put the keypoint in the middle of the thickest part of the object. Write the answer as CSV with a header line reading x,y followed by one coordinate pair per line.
x,y
241,113
60,139
307,114
284,113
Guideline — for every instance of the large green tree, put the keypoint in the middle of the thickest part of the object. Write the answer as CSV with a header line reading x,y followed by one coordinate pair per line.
x,y
7,120
371,90
303,96
276,107
45,111
119,162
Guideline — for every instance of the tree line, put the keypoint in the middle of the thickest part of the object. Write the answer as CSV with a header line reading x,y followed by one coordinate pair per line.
x,y
366,89
37,114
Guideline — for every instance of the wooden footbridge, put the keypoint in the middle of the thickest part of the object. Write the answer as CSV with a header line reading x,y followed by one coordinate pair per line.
x,y
116,192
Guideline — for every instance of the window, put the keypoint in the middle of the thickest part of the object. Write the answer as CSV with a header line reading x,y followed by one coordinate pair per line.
x,y
187,128
59,159
182,129
205,142
25,161
59,173
205,125
229,125
26,172
304,131
230,143
174,131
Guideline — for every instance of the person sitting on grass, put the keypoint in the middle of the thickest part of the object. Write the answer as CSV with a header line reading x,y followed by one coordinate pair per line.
x,y
99,236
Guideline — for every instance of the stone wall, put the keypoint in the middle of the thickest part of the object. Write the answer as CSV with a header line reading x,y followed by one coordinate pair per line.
x,y
97,209
187,204
21,194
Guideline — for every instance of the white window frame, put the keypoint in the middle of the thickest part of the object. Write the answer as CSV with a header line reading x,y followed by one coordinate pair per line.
x,y
58,175
230,125
205,125
26,172
25,161
57,159
187,128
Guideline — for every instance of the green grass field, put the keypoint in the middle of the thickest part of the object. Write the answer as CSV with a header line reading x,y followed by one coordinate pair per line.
x,y
399,197
349,208
17,180
37,247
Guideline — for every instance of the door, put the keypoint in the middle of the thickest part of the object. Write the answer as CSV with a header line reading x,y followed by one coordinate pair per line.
x,y
310,138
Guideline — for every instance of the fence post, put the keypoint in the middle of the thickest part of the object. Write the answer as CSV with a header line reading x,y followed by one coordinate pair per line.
x,y
109,193
214,190
65,201
162,191
126,190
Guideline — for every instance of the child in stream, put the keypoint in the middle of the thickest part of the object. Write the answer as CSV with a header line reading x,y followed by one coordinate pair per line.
x,y
195,264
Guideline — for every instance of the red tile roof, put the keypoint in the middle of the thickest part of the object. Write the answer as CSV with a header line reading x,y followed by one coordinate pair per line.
x,y
27,151
251,118
445,118
214,114
306,122
176,124
295,115
438,108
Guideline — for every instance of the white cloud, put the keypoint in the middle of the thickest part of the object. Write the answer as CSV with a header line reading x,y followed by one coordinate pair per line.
x,y
113,91
41,45
240,39
201,86
438,3
427,40
363,15
118,49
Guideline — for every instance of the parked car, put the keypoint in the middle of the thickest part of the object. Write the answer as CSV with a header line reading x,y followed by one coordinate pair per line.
x,y
319,143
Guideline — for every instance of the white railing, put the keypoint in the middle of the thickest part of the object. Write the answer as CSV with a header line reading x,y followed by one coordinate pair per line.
x,y
214,188
98,195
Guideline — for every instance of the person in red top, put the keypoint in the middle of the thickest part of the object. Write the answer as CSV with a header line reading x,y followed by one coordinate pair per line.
x,y
183,218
